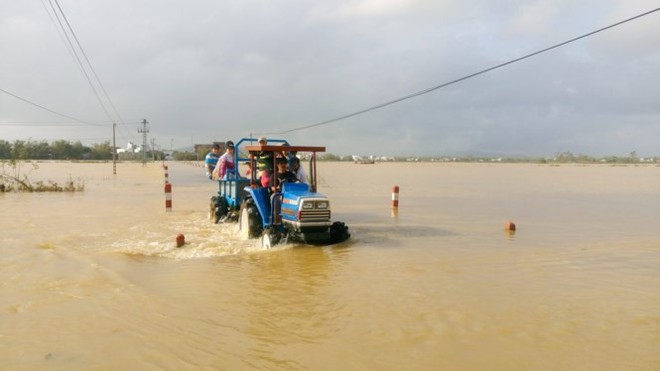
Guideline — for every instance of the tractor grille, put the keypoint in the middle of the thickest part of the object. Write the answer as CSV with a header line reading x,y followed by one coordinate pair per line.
x,y
314,216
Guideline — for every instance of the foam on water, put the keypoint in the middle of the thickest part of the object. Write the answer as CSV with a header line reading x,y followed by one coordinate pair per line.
x,y
203,240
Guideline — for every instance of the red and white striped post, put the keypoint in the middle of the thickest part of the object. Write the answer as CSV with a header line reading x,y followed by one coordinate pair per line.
x,y
167,178
395,196
168,197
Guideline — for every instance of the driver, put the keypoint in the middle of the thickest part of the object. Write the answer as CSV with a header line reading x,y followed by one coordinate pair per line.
x,y
282,175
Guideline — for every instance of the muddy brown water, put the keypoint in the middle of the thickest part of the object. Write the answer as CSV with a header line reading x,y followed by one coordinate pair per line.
x,y
93,280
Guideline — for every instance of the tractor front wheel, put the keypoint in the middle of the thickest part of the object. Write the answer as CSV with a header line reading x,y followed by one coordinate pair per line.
x,y
339,232
269,239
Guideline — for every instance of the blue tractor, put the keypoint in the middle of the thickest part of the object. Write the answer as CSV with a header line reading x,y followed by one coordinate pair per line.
x,y
276,211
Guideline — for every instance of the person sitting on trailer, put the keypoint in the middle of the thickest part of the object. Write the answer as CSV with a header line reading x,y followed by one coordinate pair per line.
x,y
211,160
225,162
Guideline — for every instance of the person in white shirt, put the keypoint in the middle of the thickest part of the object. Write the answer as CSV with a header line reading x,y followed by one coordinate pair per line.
x,y
298,170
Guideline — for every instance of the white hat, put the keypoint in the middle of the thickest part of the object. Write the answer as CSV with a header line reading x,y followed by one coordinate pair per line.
x,y
262,139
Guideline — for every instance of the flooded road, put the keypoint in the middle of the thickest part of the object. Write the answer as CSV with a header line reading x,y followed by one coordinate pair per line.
x,y
93,280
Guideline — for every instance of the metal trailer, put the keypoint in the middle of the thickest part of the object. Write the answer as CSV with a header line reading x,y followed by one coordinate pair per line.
x,y
225,205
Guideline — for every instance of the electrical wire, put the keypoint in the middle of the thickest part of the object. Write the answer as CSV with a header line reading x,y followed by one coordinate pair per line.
x,y
24,124
428,90
62,31
50,110
61,35
82,67
91,67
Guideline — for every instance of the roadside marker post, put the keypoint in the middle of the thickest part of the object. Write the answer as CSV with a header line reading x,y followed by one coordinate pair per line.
x,y
168,197
395,196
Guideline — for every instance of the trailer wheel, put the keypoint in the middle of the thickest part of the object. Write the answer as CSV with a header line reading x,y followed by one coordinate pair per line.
x,y
214,199
249,222
221,209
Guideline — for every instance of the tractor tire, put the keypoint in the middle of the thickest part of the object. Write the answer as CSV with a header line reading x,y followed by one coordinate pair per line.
x,y
212,206
269,238
339,232
221,209
249,221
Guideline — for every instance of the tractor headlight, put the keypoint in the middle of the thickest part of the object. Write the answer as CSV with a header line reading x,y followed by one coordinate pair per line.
x,y
322,205
307,205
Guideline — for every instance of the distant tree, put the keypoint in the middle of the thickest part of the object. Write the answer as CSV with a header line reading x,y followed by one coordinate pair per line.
x,y
18,150
5,150
584,159
565,157
101,151
61,150
184,156
37,150
201,152
158,155
633,156
328,157
79,152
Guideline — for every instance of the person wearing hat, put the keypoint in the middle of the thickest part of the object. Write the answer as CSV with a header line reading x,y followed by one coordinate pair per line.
x,y
264,159
211,160
225,162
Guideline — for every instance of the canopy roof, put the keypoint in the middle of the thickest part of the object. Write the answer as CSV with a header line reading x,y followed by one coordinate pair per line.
x,y
267,148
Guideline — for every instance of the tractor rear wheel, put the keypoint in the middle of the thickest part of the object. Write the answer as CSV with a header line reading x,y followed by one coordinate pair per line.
x,y
249,221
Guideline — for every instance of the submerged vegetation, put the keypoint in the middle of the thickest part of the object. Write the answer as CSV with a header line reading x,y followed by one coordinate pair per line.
x,y
14,179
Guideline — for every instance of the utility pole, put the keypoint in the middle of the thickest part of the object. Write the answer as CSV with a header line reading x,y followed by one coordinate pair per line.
x,y
144,130
153,149
114,150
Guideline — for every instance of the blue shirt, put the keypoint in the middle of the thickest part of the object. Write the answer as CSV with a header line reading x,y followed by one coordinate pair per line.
x,y
211,160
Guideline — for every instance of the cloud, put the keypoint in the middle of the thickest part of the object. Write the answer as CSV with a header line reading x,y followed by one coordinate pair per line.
x,y
223,70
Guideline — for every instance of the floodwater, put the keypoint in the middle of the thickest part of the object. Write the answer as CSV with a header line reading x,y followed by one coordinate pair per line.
x,y
93,280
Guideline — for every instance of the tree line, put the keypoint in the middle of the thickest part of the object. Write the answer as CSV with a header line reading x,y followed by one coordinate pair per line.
x,y
66,150
57,150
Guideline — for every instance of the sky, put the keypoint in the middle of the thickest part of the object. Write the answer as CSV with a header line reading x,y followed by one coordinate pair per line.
x,y
204,70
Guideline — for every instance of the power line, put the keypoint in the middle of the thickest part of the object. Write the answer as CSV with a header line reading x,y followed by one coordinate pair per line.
x,y
80,64
48,109
23,124
60,34
426,91
91,67
32,139
53,123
